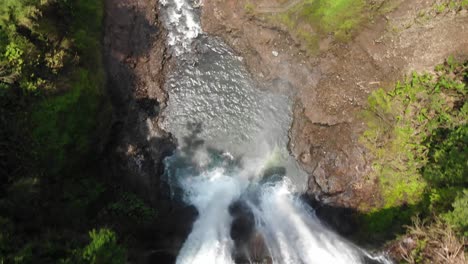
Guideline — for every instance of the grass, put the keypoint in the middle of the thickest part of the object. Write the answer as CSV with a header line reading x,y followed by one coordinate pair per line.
x,y
337,17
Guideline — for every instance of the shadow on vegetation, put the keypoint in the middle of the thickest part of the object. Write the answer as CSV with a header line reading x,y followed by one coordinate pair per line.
x,y
368,230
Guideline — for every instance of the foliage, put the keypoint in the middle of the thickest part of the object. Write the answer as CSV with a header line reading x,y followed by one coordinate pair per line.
x,y
458,218
20,12
23,46
311,19
418,135
404,134
440,199
447,158
79,195
131,206
431,242
385,222
46,61
63,123
103,248
51,112
442,6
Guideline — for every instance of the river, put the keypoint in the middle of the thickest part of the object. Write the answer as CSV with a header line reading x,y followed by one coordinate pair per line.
x,y
232,161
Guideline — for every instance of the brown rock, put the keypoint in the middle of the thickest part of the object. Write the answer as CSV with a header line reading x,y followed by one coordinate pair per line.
x,y
332,87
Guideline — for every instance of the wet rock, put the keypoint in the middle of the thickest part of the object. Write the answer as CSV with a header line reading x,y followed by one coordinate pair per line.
x,y
137,60
159,257
250,245
243,223
341,219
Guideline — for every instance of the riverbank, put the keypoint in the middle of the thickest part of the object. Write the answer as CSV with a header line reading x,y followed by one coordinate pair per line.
x,y
137,61
332,78
332,87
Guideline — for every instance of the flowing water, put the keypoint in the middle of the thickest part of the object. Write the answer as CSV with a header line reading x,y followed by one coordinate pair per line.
x,y
232,163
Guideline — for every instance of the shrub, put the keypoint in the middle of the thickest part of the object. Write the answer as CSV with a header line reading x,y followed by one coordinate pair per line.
x,y
418,126
418,135
63,124
131,206
103,248
432,242
458,218
447,159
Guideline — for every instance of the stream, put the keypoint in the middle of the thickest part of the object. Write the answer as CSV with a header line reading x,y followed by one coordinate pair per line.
x,y
232,161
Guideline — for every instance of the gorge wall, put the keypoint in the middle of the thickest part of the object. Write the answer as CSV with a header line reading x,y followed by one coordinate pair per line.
x,y
137,61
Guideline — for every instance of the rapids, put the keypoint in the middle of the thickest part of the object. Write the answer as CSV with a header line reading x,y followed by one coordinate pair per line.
x,y
232,163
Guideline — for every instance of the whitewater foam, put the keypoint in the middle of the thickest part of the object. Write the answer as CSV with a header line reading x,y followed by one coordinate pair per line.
x,y
182,24
288,228
211,193
293,233
232,150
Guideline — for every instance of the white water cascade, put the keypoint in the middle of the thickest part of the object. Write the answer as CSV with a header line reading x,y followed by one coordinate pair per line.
x,y
232,163
183,26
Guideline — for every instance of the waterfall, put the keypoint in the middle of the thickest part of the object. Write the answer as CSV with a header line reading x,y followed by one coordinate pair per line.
x,y
182,24
232,163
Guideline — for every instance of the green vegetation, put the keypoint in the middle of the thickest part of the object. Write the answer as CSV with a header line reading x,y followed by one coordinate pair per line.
x,y
450,5
312,19
458,218
52,113
103,248
131,207
418,135
339,17
51,76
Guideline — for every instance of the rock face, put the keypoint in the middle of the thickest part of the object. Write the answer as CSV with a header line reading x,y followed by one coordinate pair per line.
x,y
137,60
334,159
332,87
